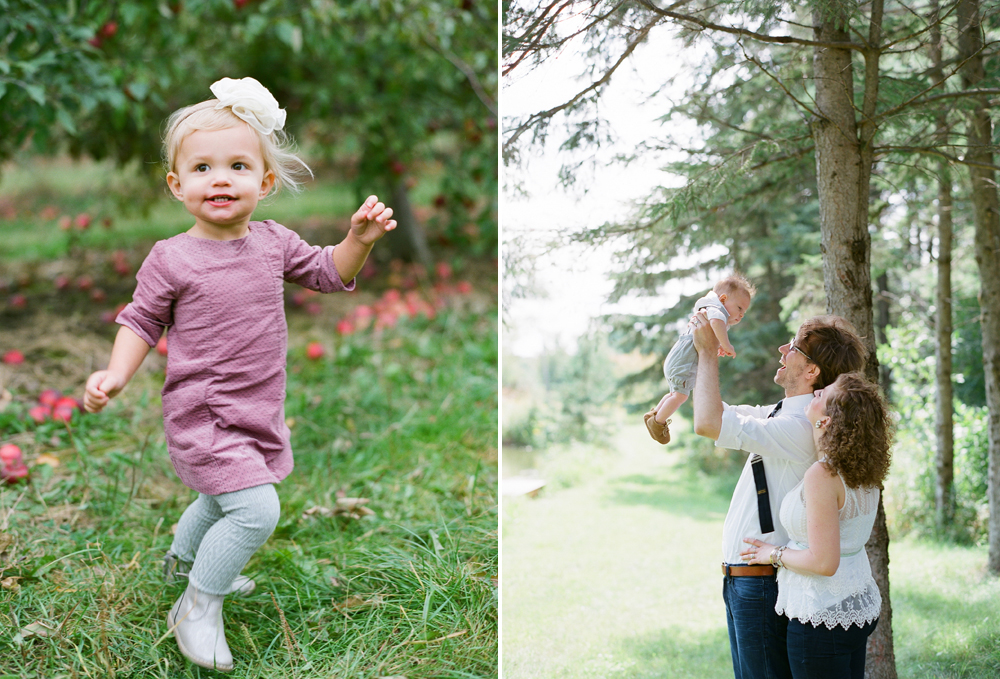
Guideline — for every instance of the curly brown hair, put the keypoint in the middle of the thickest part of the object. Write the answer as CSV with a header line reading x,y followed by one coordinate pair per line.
x,y
858,438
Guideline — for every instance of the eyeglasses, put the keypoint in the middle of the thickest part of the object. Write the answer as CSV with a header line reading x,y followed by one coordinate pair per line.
x,y
792,347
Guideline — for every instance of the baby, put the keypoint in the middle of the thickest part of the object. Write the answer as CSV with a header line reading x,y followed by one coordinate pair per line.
x,y
724,305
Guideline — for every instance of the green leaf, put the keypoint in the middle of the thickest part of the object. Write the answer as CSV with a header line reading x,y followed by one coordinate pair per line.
x,y
290,35
36,92
66,120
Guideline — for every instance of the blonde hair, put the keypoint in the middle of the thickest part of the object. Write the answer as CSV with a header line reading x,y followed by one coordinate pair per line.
x,y
277,148
733,283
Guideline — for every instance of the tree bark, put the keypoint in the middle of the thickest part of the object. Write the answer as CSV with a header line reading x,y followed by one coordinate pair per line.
x,y
844,157
409,242
986,207
944,415
944,419
882,320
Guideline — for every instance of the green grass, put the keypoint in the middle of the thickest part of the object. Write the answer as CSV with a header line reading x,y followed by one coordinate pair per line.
x,y
407,419
612,572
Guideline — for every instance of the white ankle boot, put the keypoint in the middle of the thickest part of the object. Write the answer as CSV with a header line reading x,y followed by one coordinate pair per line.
x,y
196,622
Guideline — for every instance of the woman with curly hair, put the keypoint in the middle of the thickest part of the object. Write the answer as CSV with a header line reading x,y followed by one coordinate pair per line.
x,y
825,584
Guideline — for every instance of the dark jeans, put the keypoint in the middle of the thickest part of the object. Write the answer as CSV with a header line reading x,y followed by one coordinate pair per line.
x,y
756,632
821,653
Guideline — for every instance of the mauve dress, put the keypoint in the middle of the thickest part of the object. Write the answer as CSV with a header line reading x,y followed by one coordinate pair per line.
x,y
223,301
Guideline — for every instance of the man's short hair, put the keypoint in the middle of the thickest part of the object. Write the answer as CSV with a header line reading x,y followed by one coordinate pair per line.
x,y
833,346
735,282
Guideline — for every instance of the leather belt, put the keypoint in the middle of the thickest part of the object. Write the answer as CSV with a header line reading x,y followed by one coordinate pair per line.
x,y
737,571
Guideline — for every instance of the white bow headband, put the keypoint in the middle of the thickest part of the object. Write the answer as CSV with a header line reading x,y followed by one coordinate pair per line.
x,y
251,102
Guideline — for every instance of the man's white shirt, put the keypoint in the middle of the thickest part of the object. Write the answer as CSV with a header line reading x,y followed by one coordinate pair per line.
x,y
785,442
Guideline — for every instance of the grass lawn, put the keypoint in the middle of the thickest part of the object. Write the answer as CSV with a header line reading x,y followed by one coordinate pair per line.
x,y
404,417
612,572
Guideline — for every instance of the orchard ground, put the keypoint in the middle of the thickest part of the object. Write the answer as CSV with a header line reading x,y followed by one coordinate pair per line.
x,y
385,560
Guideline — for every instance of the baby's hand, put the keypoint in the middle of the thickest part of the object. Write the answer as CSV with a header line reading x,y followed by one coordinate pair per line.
x,y
102,386
372,221
727,350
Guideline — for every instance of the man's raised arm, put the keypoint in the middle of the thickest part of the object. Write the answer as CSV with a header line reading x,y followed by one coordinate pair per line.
x,y
707,399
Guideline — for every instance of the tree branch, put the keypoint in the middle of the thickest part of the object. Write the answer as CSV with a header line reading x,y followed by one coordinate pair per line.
x,y
755,62
930,151
912,101
536,118
742,32
536,46
467,71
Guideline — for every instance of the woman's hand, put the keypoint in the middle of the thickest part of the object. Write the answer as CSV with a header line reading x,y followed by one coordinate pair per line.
x,y
372,221
758,553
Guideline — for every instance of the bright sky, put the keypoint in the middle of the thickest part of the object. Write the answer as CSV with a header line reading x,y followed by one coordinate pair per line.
x,y
576,281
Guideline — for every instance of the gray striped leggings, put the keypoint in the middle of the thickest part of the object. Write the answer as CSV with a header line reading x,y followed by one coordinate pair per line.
x,y
220,533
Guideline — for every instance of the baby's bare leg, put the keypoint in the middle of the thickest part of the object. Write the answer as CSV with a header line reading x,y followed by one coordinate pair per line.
x,y
668,405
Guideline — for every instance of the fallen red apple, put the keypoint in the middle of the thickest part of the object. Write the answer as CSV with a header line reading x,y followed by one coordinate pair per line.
x,y
345,327
40,413
315,351
464,287
161,346
443,270
12,467
85,283
65,222
13,357
50,397
62,282
82,221
18,301
62,413
10,453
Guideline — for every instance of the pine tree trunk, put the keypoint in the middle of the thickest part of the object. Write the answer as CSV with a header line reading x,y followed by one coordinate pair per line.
x,y
881,323
944,417
844,157
986,208
943,502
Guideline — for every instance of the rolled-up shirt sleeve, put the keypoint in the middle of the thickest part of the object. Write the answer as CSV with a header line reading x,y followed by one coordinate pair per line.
x,y
152,306
747,428
310,266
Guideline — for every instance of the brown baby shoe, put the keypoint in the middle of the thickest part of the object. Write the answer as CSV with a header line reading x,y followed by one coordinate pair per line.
x,y
659,432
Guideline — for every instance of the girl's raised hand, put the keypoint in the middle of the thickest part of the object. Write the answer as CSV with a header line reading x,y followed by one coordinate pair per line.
x,y
372,221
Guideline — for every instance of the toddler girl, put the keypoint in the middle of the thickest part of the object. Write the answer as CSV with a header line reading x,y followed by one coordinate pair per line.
x,y
724,305
218,287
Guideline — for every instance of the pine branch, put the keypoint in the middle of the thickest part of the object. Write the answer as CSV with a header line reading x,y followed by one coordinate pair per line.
x,y
742,32
912,101
937,22
537,118
759,65
931,151
536,42
537,36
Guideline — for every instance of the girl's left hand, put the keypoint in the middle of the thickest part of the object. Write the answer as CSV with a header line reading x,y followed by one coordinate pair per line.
x,y
372,221
758,553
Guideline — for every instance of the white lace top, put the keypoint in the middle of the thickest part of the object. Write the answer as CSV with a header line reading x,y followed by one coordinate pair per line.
x,y
849,596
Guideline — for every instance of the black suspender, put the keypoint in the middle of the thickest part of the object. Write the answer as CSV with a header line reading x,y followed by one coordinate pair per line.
x,y
760,481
